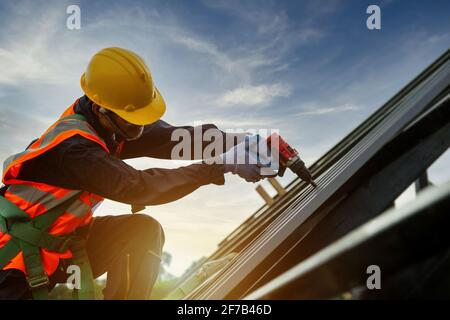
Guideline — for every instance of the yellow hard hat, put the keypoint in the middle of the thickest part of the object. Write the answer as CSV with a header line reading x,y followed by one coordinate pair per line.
x,y
119,80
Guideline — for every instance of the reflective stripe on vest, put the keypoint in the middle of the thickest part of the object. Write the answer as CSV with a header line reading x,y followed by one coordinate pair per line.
x,y
60,131
37,198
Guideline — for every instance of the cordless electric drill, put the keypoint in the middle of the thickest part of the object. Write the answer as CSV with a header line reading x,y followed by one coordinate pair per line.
x,y
289,158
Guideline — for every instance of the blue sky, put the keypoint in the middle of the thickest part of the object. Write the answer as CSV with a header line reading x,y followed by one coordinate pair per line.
x,y
309,68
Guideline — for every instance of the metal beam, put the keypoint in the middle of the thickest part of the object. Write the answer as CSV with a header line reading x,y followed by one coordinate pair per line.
x,y
277,186
263,193
384,177
396,238
421,182
412,105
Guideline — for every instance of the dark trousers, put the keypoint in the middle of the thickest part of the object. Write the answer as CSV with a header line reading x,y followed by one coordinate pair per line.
x,y
127,247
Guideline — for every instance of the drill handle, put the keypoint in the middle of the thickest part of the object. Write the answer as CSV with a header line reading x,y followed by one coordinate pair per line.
x,y
281,170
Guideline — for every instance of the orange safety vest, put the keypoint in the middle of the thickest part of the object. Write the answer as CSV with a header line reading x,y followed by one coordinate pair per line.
x,y
36,198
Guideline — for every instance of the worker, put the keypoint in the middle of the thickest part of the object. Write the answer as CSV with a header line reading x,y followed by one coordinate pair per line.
x,y
52,188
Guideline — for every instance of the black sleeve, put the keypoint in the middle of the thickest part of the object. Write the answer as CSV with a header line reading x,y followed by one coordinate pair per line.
x,y
156,141
81,164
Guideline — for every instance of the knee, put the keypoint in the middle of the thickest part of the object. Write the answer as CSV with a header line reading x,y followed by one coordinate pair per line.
x,y
148,231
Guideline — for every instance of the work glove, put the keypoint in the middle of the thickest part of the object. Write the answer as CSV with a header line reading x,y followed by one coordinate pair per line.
x,y
247,160
248,172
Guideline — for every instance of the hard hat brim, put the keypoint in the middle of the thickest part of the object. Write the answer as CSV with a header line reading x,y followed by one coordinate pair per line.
x,y
145,115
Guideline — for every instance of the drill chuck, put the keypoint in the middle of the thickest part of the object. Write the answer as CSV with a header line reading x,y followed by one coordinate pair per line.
x,y
298,167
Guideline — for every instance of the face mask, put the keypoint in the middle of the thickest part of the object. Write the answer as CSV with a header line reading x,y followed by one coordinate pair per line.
x,y
118,130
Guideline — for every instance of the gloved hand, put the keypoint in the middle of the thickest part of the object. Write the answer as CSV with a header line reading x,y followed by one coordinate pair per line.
x,y
249,172
245,160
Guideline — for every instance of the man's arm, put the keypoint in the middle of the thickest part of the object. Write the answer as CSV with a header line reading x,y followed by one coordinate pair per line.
x,y
156,141
81,164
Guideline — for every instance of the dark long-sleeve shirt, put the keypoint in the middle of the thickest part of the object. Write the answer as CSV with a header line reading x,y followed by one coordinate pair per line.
x,y
80,164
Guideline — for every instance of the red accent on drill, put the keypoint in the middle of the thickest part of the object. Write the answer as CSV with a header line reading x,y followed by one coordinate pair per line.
x,y
289,158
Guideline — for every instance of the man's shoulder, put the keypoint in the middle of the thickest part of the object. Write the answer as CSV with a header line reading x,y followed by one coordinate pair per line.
x,y
78,141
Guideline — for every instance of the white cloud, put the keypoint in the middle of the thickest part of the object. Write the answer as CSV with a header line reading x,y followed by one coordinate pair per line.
x,y
253,95
279,34
238,67
316,110
240,122
197,45
34,47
